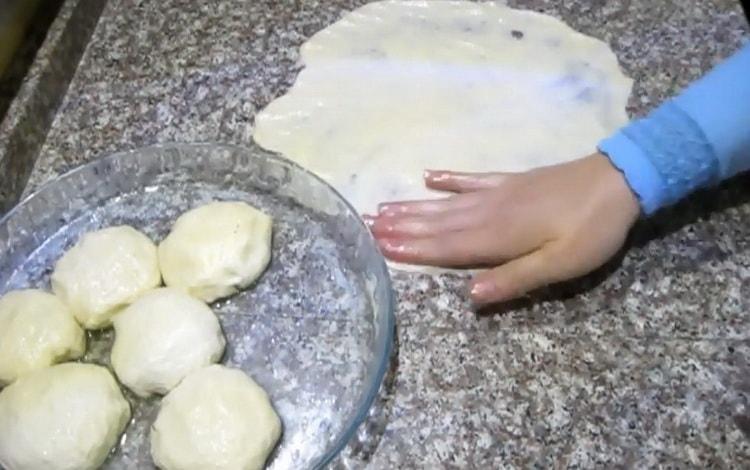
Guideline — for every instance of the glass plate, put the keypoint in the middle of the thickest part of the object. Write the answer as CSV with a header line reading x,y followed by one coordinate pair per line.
x,y
315,331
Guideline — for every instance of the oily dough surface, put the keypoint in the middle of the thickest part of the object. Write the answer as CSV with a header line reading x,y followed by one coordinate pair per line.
x,y
104,272
162,337
64,417
36,331
216,249
397,87
216,418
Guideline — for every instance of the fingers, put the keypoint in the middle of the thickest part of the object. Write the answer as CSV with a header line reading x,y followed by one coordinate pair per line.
x,y
445,181
462,182
460,248
425,207
449,250
548,265
423,226
456,239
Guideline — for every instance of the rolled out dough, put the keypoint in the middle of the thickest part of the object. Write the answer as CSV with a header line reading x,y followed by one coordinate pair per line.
x,y
396,87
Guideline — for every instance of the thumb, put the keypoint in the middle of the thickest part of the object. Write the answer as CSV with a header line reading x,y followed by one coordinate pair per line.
x,y
515,278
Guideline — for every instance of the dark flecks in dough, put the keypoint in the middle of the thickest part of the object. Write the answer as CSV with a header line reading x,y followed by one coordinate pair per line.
x,y
517,34
375,53
586,95
569,80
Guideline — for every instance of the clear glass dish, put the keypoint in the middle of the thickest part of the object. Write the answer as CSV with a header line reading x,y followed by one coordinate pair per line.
x,y
315,331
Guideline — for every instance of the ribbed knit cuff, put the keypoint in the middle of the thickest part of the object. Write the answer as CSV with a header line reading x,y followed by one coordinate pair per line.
x,y
664,157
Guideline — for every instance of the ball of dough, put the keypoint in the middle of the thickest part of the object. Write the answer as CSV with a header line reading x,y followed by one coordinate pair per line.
x,y
162,337
216,418
66,417
36,331
216,249
105,271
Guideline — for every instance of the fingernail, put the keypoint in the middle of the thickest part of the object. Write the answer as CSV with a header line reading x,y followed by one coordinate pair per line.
x,y
437,176
390,210
368,220
382,208
481,292
379,226
391,246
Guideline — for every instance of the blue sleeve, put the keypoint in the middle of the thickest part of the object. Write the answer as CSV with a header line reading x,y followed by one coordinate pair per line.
x,y
694,140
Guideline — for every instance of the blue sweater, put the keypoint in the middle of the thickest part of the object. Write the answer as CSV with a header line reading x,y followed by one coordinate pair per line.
x,y
694,140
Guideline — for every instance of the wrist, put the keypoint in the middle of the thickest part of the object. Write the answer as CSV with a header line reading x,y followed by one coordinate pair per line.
x,y
614,187
636,170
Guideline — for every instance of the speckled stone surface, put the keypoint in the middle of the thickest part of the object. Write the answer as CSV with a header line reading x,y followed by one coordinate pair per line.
x,y
646,363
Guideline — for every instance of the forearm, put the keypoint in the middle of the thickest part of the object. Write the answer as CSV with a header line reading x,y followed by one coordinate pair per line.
x,y
694,140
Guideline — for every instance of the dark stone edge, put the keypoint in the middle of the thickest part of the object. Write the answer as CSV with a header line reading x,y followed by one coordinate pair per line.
x,y
29,117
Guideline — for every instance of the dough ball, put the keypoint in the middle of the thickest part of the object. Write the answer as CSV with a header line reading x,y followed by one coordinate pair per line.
x,y
64,417
104,272
36,331
216,249
216,418
162,337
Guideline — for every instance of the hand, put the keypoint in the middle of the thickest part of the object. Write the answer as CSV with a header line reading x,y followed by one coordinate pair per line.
x,y
540,227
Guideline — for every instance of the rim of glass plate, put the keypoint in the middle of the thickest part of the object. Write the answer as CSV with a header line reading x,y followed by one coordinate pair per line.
x,y
384,348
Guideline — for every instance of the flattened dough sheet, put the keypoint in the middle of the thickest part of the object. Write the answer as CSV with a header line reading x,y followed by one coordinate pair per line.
x,y
396,87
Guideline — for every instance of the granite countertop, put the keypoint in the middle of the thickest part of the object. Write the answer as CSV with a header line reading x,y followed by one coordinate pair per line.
x,y
645,363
